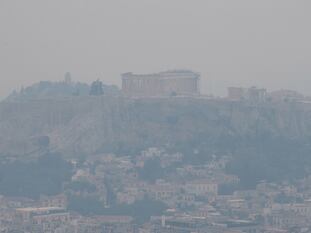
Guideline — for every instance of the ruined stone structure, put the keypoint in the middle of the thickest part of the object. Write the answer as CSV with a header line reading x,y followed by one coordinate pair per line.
x,y
252,94
168,83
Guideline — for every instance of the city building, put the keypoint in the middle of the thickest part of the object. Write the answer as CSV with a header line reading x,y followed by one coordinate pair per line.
x,y
252,94
286,96
202,188
168,83
40,219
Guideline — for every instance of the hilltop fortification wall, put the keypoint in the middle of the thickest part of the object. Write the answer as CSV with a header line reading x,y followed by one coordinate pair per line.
x,y
97,124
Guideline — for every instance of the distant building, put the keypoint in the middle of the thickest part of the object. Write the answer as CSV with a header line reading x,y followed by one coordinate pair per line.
x,y
286,95
202,188
105,223
236,93
59,201
168,83
43,219
252,94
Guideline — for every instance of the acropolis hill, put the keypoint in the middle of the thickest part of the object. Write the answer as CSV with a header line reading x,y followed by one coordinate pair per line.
x,y
100,124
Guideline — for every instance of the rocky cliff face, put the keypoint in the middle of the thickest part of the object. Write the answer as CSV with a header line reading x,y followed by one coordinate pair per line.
x,y
87,125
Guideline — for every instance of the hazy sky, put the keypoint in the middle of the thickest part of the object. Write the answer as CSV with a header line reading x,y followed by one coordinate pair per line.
x,y
232,42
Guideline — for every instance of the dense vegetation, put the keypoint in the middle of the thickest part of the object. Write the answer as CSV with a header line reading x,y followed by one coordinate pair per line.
x,y
45,89
254,158
81,186
151,171
271,159
268,142
44,176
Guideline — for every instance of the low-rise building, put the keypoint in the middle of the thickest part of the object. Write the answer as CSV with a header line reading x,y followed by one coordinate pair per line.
x,y
253,94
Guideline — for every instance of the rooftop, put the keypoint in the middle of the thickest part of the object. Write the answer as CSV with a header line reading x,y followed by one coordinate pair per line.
x,y
168,73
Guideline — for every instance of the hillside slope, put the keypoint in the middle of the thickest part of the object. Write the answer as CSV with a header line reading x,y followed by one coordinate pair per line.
x,y
96,124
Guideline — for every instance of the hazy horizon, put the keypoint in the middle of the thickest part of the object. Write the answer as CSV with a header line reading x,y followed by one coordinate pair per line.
x,y
231,43
156,156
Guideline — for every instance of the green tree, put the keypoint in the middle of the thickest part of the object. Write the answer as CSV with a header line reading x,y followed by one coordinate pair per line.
x,y
97,88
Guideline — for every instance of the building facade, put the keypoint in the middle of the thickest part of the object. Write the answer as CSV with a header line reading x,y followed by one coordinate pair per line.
x,y
252,94
168,83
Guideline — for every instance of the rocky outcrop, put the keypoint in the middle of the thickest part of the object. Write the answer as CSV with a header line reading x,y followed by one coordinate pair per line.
x,y
89,125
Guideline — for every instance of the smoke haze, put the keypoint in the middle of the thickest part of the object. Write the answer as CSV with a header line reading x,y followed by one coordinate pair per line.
x,y
241,42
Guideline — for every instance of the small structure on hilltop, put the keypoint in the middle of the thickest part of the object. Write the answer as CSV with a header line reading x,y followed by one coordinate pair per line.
x,y
163,84
286,96
252,94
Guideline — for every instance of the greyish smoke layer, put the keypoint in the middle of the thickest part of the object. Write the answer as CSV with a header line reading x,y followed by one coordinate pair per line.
x,y
241,42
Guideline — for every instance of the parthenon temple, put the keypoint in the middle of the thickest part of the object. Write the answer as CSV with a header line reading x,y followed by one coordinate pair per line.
x,y
168,83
